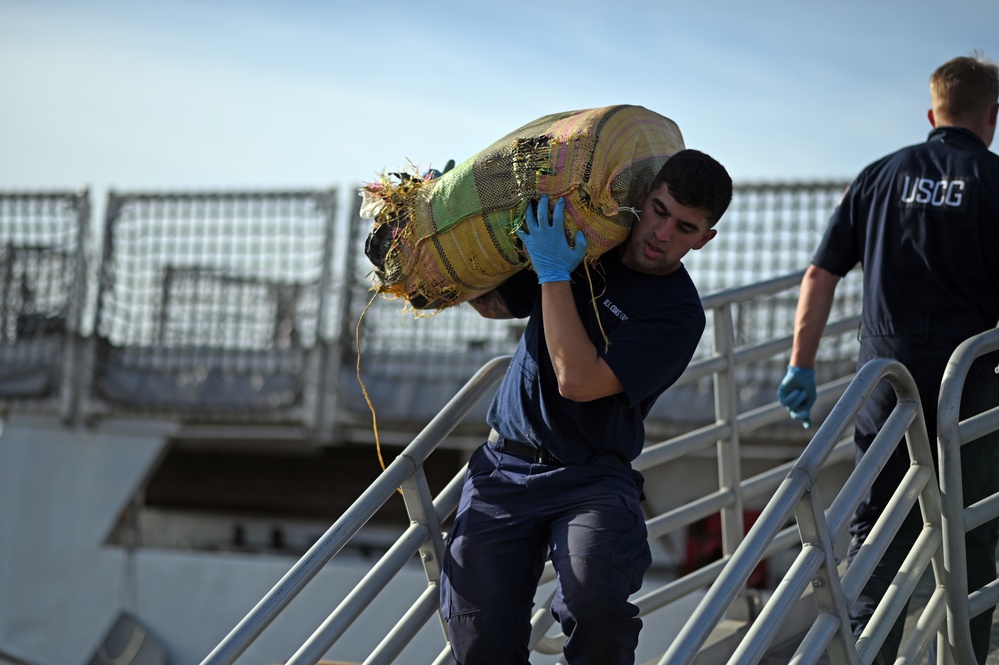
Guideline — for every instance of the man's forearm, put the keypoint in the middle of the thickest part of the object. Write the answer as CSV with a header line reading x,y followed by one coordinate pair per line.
x,y
582,374
818,288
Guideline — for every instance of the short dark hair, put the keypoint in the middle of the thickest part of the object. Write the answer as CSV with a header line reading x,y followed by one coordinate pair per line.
x,y
963,85
697,180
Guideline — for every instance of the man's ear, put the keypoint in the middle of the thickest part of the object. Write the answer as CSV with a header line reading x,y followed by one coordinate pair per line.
x,y
929,116
711,233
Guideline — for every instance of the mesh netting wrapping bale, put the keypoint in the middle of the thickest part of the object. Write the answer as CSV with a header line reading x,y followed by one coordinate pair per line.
x,y
439,242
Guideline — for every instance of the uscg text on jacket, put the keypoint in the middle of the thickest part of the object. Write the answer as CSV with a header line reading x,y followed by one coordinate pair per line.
x,y
919,192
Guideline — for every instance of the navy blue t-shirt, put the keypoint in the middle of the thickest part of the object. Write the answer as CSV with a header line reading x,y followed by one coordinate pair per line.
x,y
651,323
924,224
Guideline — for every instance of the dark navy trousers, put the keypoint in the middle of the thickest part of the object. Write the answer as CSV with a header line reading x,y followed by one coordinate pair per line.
x,y
980,477
514,514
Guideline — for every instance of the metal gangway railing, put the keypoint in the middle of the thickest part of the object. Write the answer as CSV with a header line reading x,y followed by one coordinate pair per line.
x,y
425,539
816,566
954,432
816,571
941,542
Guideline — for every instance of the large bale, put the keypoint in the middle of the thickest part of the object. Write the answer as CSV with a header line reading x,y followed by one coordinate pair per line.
x,y
441,241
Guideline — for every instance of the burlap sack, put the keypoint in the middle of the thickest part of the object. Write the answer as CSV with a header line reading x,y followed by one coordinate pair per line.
x,y
442,241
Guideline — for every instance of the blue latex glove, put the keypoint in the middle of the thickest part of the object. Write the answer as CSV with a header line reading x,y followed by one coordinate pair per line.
x,y
551,255
797,393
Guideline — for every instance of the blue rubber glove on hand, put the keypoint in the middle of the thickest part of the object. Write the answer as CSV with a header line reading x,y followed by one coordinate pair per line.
x,y
551,255
797,393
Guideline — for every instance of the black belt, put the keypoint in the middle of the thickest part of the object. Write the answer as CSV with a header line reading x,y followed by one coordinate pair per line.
x,y
522,450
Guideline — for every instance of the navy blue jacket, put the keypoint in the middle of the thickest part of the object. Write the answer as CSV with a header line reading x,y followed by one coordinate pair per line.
x,y
924,224
652,323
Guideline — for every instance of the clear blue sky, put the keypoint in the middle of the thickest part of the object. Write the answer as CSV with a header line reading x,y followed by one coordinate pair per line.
x,y
292,93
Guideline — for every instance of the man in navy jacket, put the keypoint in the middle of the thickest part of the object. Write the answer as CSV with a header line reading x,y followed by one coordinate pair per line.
x,y
924,224
555,478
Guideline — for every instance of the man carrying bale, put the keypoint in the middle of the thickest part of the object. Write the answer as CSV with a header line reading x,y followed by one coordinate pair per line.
x,y
602,343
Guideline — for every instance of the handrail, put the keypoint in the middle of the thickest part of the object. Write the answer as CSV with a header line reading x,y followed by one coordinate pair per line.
x,y
816,564
953,433
394,475
424,534
731,424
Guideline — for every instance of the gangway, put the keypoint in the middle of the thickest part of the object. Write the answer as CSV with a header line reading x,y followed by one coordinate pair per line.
x,y
816,570
728,362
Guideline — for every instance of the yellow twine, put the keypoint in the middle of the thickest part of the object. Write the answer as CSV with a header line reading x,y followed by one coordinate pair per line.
x,y
364,390
596,309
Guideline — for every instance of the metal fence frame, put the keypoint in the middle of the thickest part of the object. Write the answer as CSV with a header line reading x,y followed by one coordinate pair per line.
x,y
304,413
76,207
780,220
